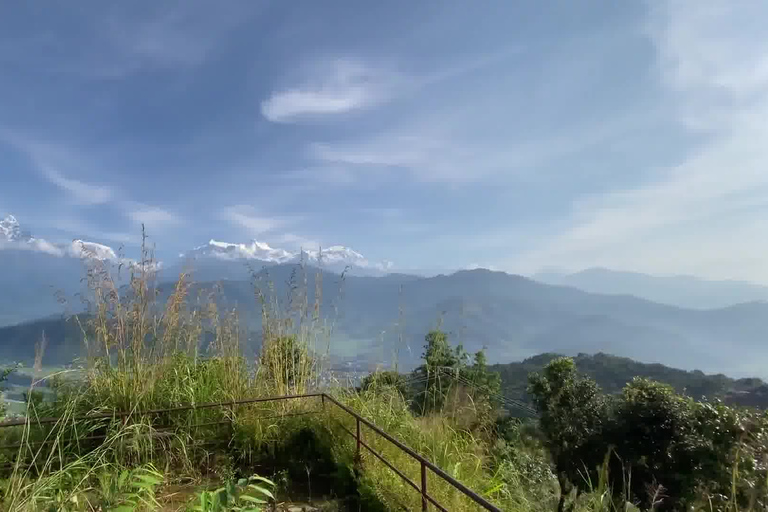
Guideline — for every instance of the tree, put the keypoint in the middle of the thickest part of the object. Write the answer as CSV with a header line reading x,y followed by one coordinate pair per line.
x,y
666,451
656,439
486,384
4,374
485,389
442,365
573,415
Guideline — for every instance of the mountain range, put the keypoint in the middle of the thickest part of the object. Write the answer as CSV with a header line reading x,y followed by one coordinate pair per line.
x,y
36,275
682,291
512,317
378,313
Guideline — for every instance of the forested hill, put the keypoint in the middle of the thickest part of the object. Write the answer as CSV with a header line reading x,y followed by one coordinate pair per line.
x,y
612,373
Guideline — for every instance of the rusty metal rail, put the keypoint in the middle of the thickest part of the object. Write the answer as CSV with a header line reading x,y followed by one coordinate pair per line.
x,y
154,412
425,464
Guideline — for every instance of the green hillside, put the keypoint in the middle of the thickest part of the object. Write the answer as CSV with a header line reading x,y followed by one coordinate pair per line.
x,y
612,374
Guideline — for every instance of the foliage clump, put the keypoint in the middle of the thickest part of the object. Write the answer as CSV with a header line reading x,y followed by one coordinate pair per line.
x,y
649,445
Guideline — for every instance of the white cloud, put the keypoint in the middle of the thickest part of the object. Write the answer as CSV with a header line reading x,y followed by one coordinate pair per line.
x,y
446,158
341,85
455,145
295,242
703,215
250,220
116,40
338,87
49,159
79,191
35,245
77,228
153,217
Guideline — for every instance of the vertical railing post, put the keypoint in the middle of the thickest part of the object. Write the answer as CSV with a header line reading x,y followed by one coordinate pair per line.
x,y
231,423
322,399
357,454
424,502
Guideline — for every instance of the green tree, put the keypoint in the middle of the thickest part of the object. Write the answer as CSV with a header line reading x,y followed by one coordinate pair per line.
x,y
442,366
4,374
485,389
486,384
573,416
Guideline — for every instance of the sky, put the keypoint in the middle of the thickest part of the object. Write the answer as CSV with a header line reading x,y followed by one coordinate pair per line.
x,y
517,136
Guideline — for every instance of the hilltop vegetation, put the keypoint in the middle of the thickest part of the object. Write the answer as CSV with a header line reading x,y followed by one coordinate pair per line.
x,y
613,373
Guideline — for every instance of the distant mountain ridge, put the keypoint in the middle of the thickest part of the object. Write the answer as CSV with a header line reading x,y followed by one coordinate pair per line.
x,y
681,291
513,317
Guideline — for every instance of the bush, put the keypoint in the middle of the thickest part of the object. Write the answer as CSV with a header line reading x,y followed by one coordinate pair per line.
x,y
658,449
381,380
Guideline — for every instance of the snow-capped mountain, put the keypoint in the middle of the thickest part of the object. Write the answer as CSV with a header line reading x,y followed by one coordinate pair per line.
x,y
337,257
10,230
81,249
36,275
333,258
12,236
253,251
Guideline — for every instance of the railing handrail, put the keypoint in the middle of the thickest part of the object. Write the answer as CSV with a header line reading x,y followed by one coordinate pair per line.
x,y
125,414
425,463
442,474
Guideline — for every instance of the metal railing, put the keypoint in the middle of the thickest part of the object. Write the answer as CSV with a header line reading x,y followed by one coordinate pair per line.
x,y
425,465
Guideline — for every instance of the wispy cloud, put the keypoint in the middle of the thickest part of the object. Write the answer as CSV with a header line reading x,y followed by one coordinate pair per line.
x,y
153,217
247,218
80,192
432,154
112,41
295,242
397,220
712,59
342,85
49,159
178,36
76,227
334,87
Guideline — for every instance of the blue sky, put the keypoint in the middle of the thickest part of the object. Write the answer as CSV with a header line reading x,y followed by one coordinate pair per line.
x,y
513,135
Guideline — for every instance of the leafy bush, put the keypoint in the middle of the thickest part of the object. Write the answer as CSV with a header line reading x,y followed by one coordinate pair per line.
x,y
660,449
245,495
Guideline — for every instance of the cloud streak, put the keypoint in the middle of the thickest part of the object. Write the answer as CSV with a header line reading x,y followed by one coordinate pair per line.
x,y
80,192
49,159
115,41
153,217
247,218
704,213
336,87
